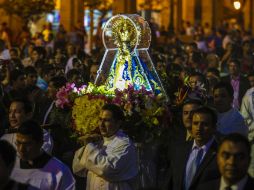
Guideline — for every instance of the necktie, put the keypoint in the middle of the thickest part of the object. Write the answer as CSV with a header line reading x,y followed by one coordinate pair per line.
x,y
191,171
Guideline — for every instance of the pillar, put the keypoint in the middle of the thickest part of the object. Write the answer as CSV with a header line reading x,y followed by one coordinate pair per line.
x,y
171,17
124,7
208,12
214,3
198,11
252,17
79,12
188,10
71,13
179,16
247,14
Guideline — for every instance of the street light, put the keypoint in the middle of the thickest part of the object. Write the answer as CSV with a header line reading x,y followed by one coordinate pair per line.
x,y
237,5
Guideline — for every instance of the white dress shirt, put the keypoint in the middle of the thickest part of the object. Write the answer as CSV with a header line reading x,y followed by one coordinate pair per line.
x,y
112,166
247,111
239,186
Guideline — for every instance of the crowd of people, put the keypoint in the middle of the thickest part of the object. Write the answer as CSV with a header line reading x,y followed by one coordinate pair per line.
x,y
209,143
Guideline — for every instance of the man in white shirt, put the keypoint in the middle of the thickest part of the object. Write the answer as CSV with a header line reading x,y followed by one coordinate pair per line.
x,y
111,165
35,167
247,110
230,120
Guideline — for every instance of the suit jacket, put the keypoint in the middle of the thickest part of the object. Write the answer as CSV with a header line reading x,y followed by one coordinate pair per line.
x,y
244,85
207,170
215,184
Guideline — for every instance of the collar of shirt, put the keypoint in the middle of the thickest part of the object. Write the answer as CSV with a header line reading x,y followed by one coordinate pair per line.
x,y
229,112
107,140
188,136
235,78
239,186
38,162
204,147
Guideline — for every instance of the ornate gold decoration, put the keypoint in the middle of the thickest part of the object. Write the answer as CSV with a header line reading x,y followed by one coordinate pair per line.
x,y
125,38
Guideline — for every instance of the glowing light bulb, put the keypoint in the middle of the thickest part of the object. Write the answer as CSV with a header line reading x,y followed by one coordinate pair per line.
x,y
237,5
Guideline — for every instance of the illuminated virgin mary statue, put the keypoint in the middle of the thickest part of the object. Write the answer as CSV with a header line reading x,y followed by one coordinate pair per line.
x,y
126,60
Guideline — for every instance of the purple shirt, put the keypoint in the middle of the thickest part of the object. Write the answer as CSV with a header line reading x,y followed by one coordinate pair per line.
x,y
235,83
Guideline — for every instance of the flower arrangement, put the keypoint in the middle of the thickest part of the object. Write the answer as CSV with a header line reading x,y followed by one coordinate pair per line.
x,y
149,106
139,106
86,112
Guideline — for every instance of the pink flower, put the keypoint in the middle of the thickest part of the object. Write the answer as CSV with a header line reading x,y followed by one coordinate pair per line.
x,y
69,86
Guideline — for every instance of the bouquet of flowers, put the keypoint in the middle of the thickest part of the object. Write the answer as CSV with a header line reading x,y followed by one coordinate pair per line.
x,y
141,107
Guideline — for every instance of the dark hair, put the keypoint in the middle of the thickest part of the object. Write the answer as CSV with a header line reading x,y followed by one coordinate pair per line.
x,y
193,44
40,51
115,110
75,61
226,86
214,71
246,42
196,57
72,73
8,153
46,69
15,74
192,101
2,44
251,74
236,138
235,61
30,70
14,50
27,105
206,110
33,129
196,73
200,75
58,81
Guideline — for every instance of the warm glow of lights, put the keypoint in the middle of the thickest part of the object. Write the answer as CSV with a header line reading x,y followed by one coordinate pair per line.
x,y
237,5
57,4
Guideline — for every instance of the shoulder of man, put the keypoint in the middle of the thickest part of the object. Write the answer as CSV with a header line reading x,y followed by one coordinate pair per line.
x,y
210,185
249,184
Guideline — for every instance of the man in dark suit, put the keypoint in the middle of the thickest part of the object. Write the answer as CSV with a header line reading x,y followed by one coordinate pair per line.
x,y
239,83
233,160
194,162
182,131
